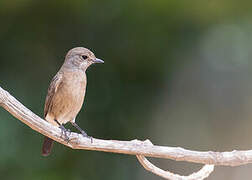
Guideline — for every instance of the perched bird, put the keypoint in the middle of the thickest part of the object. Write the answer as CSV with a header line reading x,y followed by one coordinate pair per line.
x,y
67,91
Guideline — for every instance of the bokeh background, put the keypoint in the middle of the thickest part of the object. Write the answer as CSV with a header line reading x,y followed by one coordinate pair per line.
x,y
175,72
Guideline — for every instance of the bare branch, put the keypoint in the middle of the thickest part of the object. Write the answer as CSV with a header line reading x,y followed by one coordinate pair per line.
x,y
201,174
134,147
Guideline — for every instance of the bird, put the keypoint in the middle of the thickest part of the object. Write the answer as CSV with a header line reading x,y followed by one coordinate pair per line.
x,y
66,93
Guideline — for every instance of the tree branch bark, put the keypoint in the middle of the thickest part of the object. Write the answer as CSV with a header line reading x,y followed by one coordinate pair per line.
x,y
134,147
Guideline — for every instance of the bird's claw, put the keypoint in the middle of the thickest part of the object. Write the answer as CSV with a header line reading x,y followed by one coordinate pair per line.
x,y
84,134
65,133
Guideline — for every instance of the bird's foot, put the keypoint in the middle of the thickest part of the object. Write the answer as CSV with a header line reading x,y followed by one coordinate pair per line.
x,y
84,134
65,133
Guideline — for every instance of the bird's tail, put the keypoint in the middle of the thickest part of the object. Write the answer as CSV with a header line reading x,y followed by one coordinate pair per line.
x,y
47,146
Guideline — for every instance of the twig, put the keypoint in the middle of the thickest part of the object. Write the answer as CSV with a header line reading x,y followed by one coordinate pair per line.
x,y
134,147
203,173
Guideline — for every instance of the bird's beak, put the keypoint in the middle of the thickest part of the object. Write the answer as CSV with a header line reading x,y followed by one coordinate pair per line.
x,y
98,61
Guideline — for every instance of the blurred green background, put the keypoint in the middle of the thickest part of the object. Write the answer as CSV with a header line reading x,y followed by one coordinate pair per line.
x,y
175,72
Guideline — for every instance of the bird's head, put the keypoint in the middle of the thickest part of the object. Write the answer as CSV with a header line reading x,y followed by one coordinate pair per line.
x,y
81,58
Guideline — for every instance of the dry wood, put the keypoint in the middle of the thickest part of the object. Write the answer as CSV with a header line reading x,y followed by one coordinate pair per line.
x,y
201,174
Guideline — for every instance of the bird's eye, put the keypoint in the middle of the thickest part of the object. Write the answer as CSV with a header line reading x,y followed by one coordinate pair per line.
x,y
84,57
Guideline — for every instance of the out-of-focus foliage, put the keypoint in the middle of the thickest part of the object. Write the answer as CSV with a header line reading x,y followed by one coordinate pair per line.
x,y
176,72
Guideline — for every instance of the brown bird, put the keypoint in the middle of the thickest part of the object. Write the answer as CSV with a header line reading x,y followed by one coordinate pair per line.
x,y
67,91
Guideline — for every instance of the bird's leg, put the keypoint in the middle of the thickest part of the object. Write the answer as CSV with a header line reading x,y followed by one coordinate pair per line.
x,y
81,131
63,130
84,134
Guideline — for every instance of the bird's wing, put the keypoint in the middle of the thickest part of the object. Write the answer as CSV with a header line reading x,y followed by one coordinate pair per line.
x,y
55,83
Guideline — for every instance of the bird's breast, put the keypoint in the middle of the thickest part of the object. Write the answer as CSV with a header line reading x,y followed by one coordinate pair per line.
x,y
69,98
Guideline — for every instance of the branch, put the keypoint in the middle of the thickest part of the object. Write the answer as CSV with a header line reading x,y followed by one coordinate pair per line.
x,y
134,147
201,174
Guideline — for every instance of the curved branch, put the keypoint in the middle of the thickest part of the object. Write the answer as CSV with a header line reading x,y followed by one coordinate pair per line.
x,y
134,147
203,173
